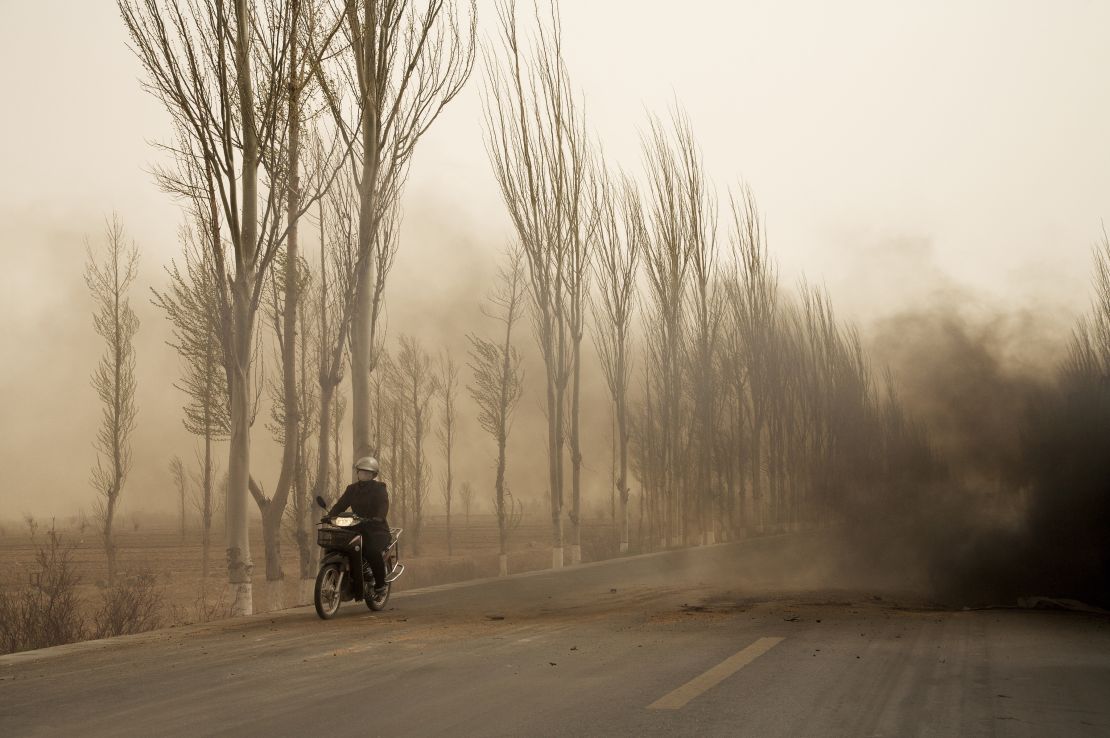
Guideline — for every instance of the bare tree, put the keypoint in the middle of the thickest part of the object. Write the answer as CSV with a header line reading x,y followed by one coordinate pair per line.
x,y
201,62
466,496
579,254
496,388
273,510
618,253
223,75
192,304
301,504
667,256
703,319
396,468
448,392
181,484
399,66
537,144
1099,322
108,280
335,302
285,311
307,32
753,298
337,446
418,384
205,502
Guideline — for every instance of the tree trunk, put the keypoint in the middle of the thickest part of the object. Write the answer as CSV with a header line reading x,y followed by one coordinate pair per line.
x,y
275,508
502,517
326,380
206,513
622,480
555,436
417,476
575,455
755,517
239,564
182,513
323,479
109,539
360,360
362,327
271,540
304,505
448,499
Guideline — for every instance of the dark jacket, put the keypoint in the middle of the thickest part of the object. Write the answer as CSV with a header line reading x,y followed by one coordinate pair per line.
x,y
367,500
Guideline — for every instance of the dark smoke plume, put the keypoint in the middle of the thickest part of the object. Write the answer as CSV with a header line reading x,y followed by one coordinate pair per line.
x,y
1025,434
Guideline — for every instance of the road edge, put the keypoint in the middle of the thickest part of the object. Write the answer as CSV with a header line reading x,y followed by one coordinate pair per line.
x,y
114,642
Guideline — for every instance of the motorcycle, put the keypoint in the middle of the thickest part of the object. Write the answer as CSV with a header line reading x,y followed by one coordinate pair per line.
x,y
342,576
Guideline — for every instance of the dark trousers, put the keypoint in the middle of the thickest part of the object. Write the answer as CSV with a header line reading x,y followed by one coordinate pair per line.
x,y
374,540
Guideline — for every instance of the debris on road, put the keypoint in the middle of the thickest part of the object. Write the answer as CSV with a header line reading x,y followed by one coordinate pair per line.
x,y
1057,603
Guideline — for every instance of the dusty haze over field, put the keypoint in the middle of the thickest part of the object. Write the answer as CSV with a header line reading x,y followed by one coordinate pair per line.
x,y
901,153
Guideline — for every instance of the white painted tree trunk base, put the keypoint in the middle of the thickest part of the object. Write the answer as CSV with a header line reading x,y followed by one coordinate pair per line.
x,y
275,595
241,600
624,547
503,565
575,554
557,558
711,538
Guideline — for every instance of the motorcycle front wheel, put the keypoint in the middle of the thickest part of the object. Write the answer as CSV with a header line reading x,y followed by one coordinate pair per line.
x,y
329,590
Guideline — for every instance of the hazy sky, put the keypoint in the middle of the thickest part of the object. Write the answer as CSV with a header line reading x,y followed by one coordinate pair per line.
x,y
891,145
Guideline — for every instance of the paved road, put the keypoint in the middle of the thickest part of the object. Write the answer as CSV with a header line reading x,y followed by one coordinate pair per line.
x,y
739,639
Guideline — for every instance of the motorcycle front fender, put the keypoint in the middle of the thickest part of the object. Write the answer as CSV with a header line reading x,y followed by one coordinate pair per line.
x,y
358,585
335,557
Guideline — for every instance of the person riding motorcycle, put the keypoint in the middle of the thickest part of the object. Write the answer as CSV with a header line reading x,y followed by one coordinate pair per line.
x,y
369,498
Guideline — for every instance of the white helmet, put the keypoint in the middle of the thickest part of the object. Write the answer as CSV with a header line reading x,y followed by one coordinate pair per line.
x,y
367,463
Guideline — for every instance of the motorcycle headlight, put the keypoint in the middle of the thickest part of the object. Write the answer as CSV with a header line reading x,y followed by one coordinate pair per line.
x,y
344,522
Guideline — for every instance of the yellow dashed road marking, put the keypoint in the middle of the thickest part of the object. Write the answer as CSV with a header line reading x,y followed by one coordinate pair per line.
x,y
704,682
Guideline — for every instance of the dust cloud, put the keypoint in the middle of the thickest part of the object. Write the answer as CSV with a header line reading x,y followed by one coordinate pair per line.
x,y
1024,508
443,272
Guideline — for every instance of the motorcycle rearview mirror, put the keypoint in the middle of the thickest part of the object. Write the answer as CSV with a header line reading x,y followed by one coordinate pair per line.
x,y
321,503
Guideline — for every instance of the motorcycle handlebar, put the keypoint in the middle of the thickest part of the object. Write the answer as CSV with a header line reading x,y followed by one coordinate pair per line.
x,y
358,519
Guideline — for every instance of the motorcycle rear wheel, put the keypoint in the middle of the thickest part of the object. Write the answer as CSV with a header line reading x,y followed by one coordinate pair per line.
x,y
329,591
378,603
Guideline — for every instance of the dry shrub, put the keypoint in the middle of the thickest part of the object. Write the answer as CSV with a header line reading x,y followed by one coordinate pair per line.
x,y
46,611
131,605
600,542
203,609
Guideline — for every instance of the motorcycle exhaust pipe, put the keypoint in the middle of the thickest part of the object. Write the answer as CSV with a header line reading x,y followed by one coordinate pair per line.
x,y
397,571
